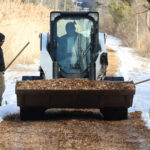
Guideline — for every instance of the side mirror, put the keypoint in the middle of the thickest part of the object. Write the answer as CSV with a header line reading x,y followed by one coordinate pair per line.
x,y
104,59
105,37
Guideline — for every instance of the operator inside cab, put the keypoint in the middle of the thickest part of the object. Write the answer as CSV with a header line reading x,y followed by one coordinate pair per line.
x,y
73,53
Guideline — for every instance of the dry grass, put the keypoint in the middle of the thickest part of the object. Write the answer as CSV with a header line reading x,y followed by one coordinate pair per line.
x,y
113,64
22,23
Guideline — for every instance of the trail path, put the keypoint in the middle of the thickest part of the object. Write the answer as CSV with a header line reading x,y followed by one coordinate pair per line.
x,y
63,129
76,129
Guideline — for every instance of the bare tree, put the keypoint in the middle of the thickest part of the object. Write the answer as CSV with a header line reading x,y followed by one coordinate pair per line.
x,y
56,5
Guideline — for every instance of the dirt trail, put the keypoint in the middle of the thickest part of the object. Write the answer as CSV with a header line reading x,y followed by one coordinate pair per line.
x,y
73,130
76,129
61,129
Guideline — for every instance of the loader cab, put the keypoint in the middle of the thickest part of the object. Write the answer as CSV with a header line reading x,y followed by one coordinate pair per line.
x,y
73,44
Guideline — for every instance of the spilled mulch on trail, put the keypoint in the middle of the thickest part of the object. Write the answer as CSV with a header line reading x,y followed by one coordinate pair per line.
x,y
74,129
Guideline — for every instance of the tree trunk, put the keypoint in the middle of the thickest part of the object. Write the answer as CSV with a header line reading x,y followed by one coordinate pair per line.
x,y
56,5
147,20
137,27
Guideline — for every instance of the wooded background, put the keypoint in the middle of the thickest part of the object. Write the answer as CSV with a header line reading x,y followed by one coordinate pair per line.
x,y
126,19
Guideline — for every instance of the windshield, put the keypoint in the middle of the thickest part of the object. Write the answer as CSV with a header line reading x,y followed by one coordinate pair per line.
x,y
73,44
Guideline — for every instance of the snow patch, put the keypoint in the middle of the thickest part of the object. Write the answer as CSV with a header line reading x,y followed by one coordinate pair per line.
x,y
9,103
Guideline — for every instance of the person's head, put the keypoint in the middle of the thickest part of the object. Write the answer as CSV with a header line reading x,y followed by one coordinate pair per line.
x,y
70,28
2,39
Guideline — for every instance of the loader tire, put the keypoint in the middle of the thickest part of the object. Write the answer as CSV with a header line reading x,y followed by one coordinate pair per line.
x,y
31,113
114,113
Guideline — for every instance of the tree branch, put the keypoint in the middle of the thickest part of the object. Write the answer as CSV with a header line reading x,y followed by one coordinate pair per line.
x,y
143,11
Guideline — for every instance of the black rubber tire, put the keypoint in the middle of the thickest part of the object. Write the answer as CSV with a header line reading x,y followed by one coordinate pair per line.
x,y
31,113
42,74
114,113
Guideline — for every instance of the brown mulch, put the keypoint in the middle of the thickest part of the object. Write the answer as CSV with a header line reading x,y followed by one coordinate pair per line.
x,y
73,84
74,130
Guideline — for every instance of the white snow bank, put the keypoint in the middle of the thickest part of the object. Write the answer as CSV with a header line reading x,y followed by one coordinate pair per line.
x,y
8,109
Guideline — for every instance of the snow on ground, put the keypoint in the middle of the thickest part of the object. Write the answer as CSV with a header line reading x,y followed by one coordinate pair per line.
x,y
9,103
133,68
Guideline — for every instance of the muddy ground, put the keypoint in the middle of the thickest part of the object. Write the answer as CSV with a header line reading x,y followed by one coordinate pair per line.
x,y
75,130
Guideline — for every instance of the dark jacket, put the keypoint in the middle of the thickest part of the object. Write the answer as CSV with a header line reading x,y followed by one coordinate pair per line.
x,y
81,47
2,63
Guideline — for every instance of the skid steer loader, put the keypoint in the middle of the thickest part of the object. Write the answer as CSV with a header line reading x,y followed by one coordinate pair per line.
x,y
74,49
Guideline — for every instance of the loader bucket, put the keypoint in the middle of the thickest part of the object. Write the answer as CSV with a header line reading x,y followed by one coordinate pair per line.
x,y
74,93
